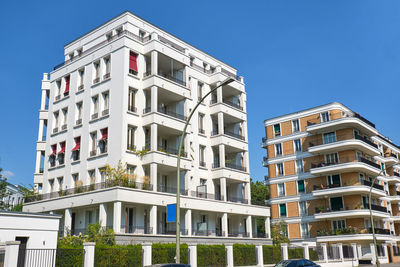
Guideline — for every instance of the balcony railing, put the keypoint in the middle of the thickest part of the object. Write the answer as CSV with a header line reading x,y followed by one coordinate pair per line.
x,y
202,163
238,199
235,135
379,231
238,234
215,165
132,109
96,80
136,229
95,116
205,195
63,127
89,188
375,207
398,193
105,112
230,103
235,166
366,140
171,150
214,132
146,110
172,44
202,69
106,76
55,130
81,87
213,101
172,113
396,174
78,122
201,131
340,138
368,183
354,115
388,155
173,78
93,153
171,189
344,160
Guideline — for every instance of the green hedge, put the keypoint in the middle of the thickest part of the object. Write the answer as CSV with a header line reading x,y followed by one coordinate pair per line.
x,y
69,257
244,255
109,256
271,254
295,253
313,254
211,255
165,253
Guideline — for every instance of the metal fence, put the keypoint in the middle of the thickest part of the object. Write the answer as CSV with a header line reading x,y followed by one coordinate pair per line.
x,y
348,252
50,258
333,252
295,252
316,253
2,254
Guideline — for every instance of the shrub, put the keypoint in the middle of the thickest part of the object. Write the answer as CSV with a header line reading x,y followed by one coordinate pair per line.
x,y
130,255
244,255
272,254
69,257
211,255
295,253
313,254
165,253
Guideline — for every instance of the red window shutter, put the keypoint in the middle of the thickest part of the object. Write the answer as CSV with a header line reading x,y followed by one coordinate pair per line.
x,y
66,84
53,150
78,144
133,61
62,145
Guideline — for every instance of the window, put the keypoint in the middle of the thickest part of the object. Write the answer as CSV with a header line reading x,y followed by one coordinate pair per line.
x,y
51,185
336,203
299,166
281,190
201,123
58,85
279,169
131,138
67,85
75,179
102,172
339,224
105,97
96,67
302,208
81,80
130,169
295,126
300,186
334,180
131,100
65,120
92,176
79,108
331,159
107,64
93,139
95,107
56,121
277,130
282,210
202,155
329,137
304,230
60,183
297,145
133,68
103,140
325,117
278,149
61,153
199,90
76,149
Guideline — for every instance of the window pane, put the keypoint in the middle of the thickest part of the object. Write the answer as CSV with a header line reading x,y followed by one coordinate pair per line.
x,y
300,185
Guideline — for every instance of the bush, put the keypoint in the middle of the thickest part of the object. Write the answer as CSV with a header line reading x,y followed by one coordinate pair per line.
x,y
130,255
244,255
313,254
211,255
272,254
69,257
165,253
295,253
70,241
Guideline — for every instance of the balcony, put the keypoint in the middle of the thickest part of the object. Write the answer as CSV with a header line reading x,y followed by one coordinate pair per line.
x,y
202,164
94,116
336,189
235,135
345,165
361,212
238,199
172,113
171,190
136,229
235,166
230,103
368,183
171,150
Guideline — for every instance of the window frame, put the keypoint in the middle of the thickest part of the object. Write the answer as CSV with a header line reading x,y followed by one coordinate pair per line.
x,y
293,126
322,116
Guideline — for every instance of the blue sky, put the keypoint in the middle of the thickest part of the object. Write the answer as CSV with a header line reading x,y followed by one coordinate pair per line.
x,y
293,55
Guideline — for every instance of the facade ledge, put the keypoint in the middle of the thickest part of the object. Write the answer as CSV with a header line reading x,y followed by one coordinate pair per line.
x,y
97,156
99,118
342,123
60,100
358,237
101,81
283,199
349,144
393,199
133,76
265,142
133,113
286,158
56,167
288,178
345,167
348,190
360,213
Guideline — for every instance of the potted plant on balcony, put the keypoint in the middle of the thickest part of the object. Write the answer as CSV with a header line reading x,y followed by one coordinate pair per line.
x,y
320,209
78,187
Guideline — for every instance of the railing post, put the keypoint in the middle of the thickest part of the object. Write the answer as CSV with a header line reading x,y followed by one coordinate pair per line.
x,y
146,254
340,246
11,257
306,252
89,254
284,251
229,255
192,255
260,256
354,247
324,252
359,251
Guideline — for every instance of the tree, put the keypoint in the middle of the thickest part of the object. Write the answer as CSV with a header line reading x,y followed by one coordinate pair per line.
x,y
3,191
259,193
279,233
25,191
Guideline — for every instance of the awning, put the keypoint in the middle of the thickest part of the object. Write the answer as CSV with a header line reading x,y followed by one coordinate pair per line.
x,y
133,61
104,134
62,148
67,84
78,145
53,150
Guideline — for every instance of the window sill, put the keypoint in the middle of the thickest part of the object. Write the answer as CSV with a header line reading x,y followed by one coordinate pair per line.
x,y
202,134
101,82
99,118
80,91
60,100
60,132
98,156
76,162
78,126
133,113
134,76
56,167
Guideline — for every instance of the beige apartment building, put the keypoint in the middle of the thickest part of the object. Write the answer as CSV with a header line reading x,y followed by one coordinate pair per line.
x,y
321,163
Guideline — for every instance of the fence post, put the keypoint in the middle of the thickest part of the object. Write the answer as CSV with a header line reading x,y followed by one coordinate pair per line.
x,y
146,254
372,247
89,254
192,255
306,252
340,247
260,256
229,255
354,247
359,251
385,251
284,251
11,257
324,251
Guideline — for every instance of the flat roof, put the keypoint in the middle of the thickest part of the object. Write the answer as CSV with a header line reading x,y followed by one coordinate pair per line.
x,y
129,12
31,214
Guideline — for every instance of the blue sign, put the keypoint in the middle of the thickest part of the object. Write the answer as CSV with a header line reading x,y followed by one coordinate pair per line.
x,y
171,213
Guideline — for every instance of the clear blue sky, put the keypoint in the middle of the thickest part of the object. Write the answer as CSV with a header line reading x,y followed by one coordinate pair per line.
x,y
293,55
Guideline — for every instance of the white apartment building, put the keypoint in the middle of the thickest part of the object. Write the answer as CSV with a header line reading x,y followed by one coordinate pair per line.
x,y
123,94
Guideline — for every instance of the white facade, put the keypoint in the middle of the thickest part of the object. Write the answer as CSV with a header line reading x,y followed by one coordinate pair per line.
x,y
39,230
102,110
13,198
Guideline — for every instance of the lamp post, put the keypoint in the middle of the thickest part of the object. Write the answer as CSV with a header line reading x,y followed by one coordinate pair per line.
x,y
178,170
372,218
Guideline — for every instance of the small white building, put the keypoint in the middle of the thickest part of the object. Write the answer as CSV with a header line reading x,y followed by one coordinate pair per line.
x,y
33,230
14,198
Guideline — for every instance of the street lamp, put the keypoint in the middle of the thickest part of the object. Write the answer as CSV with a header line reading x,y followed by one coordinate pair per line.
x,y
372,219
178,170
